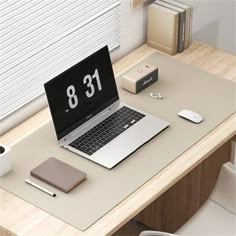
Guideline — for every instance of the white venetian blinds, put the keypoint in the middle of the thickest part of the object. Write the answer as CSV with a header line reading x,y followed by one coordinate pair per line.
x,y
39,39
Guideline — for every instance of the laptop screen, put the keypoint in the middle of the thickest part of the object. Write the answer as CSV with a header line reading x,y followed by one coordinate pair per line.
x,y
81,92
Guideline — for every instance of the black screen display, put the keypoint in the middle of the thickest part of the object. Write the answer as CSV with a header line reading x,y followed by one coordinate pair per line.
x,y
82,91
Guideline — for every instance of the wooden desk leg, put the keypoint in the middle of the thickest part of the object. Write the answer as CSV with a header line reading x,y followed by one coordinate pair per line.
x,y
173,208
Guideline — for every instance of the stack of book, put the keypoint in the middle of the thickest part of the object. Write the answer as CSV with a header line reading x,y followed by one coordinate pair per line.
x,y
169,26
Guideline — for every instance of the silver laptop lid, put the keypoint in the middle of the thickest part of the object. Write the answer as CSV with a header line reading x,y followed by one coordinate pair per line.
x,y
81,92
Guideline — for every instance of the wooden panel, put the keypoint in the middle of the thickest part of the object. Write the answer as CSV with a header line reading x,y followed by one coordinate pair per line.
x,y
210,170
5,232
178,204
234,138
175,206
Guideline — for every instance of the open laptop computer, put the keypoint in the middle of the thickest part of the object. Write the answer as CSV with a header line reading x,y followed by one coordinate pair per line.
x,y
88,116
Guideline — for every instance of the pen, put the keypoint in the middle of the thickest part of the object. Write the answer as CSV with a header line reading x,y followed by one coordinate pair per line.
x,y
40,188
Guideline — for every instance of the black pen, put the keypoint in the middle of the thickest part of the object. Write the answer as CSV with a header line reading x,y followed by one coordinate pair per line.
x,y
40,188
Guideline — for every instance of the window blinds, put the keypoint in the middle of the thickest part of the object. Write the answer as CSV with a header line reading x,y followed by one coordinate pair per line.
x,y
39,39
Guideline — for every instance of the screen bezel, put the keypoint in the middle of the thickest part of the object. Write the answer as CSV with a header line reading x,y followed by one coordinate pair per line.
x,y
115,98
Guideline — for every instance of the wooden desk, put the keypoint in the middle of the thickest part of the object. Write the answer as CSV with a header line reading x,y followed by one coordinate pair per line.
x,y
22,218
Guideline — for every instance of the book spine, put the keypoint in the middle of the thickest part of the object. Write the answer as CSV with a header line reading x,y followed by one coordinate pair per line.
x,y
181,31
176,39
46,181
187,28
190,25
159,35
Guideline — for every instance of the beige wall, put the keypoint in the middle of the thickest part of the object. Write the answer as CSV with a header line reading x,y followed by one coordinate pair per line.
x,y
133,29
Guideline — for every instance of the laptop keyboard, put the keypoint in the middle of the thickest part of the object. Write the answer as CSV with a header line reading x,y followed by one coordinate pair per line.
x,y
107,130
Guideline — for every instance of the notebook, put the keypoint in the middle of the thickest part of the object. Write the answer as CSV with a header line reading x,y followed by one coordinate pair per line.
x,y
181,24
188,20
89,118
162,28
58,174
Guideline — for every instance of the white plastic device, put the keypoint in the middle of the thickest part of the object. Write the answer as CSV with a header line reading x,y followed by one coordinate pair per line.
x,y
191,116
5,160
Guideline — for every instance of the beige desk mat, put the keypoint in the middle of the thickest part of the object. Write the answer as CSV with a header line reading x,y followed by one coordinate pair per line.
x,y
182,86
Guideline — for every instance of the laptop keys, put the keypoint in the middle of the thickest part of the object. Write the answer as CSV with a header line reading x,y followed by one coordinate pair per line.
x,y
107,130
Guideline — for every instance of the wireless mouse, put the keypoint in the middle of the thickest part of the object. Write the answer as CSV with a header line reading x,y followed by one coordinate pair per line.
x,y
191,116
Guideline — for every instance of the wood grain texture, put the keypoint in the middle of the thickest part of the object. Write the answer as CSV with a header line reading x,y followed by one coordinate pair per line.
x,y
210,170
210,59
234,138
22,218
179,203
175,206
5,232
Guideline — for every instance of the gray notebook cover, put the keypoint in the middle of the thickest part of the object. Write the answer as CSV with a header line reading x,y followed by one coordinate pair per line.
x,y
58,174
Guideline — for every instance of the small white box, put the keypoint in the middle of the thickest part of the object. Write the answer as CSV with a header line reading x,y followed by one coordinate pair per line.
x,y
5,160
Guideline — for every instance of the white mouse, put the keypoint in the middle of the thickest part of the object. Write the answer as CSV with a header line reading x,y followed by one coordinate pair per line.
x,y
191,116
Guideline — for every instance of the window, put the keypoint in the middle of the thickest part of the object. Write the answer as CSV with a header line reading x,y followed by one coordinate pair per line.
x,y
40,39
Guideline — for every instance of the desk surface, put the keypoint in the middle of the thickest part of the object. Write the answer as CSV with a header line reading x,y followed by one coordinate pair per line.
x,y
22,218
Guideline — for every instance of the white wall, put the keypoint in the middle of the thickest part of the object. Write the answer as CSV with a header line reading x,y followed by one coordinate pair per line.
x,y
133,29
214,23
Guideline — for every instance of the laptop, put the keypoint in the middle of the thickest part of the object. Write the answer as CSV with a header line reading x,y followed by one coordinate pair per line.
x,y
89,118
